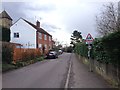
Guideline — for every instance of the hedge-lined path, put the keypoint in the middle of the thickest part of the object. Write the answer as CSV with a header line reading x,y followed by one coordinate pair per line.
x,y
81,77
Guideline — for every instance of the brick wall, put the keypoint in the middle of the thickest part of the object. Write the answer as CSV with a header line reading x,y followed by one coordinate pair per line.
x,y
44,42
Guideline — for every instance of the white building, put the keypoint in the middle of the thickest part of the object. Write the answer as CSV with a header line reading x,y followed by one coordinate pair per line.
x,y
28,34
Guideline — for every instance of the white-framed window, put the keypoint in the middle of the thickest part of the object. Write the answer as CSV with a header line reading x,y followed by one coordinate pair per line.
x,y
40,35
45,37
45,46
50,47
16,35
49,38
40,45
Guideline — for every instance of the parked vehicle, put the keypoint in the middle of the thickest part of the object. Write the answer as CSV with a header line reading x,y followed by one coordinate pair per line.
x,y
52,55
60,51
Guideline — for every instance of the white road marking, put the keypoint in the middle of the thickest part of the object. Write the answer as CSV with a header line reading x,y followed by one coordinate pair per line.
x,y
68,75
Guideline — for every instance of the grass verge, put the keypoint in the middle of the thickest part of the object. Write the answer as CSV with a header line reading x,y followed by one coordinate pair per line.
x,y
7,67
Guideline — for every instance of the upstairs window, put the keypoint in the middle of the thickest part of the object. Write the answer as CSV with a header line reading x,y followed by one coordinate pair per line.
x,y
16,35
45,46
40,46
49,38
45,37
40,35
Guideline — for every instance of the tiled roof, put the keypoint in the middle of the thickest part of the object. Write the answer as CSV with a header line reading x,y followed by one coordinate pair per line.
x,y
5,15
37,28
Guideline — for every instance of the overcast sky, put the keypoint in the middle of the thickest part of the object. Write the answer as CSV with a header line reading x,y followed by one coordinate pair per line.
x,y
58,17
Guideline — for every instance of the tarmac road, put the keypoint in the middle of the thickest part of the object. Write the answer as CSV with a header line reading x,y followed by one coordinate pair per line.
x,y
46,74
53,73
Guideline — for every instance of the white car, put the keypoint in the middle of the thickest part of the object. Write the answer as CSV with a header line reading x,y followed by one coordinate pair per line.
x,y
60,51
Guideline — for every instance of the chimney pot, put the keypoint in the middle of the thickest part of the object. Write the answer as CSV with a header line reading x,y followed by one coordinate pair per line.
x,y
38,24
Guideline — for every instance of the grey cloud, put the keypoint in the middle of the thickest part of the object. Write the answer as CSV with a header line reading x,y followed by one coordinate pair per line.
x,y
20,9
42,8
14,9
73,18
50,27
82,20
53,27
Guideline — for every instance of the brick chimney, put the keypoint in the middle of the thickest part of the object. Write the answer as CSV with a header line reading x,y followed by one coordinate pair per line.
x,y
38,24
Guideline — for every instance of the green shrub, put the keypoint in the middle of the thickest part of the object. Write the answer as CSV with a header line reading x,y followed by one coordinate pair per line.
x,y
81,49
27,62
99,51
19,64
107,48
6,67
7,52
69,49
112,46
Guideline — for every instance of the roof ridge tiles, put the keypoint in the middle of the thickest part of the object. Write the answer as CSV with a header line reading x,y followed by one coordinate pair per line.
x,y
41,30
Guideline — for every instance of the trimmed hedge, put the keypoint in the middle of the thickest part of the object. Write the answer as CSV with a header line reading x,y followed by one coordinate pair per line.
x,y
7,52
81,48
99,51
105,49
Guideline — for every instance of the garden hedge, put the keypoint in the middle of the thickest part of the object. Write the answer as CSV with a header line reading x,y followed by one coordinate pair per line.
x,y
105,49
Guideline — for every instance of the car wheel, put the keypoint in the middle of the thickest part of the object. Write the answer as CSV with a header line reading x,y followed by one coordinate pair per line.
x,y
54,57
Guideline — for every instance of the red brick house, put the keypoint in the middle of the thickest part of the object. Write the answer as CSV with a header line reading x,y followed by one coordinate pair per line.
x,y
30,35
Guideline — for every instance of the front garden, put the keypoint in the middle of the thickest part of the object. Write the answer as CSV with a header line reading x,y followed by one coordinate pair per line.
x,y
13,58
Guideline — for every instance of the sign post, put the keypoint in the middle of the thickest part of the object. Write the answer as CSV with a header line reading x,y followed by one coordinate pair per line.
x,y
89,40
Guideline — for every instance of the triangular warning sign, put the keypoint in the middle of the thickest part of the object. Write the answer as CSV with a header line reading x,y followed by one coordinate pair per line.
x,y
89,37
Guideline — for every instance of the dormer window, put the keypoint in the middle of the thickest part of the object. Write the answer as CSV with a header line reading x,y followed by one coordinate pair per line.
x,y
16,35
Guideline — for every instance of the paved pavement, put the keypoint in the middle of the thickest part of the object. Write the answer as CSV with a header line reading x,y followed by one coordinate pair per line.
x,y
82,78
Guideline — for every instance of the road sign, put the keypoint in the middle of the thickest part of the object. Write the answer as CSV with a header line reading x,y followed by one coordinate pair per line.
x,y
89,47
89,39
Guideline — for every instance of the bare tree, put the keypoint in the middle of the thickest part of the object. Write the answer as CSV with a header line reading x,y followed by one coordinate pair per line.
x,y
107,21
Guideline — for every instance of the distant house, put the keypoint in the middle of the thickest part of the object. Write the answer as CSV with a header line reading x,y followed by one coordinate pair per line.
x,y
5,20
30,35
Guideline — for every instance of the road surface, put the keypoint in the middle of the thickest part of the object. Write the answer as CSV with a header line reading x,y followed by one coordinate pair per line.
x,y
45,74
53,74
